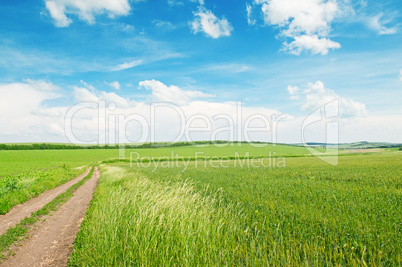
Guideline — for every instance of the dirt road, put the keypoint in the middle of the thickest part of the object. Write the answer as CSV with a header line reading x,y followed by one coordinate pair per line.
x,y
16,214
50,244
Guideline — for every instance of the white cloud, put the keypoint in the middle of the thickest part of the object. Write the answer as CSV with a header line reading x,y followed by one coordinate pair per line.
x,y
227,68
307,22
300,17
377,23
85,95
85,9
400,75
115,85
42,85
292,90
316,95
124,27
175,3
127,65
163,24
201,2
57,13
16,97
88,86
313,43
249,10
20,101
56,129
43,62
171,94
25,117
205,21
167,119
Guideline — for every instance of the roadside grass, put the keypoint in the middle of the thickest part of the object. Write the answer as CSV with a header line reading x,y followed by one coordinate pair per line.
x,y
15,190
19,231
137,221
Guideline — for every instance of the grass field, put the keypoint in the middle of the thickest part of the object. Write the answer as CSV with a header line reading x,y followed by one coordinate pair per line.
x,y
306,213
27,173
17,161
228,205
17,189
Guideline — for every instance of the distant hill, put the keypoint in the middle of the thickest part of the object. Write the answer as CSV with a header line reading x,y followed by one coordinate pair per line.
x,y
355,145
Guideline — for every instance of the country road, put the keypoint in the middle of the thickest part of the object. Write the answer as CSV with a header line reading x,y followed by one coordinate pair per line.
x,y
50,242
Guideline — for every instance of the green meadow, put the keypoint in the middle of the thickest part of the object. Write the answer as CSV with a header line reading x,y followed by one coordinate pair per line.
x,y
18,161
232,204
27,173
304,213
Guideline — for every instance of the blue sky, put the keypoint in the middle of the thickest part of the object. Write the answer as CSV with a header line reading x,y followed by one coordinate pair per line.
x,y
275,56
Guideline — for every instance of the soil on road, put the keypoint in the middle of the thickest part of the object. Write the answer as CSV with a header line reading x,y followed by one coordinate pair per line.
x,y
51,241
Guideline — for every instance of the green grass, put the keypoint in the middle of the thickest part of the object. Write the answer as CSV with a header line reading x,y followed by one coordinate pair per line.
x,y
21,161
26,174
137,217
223,150
307,213
17,189
17,232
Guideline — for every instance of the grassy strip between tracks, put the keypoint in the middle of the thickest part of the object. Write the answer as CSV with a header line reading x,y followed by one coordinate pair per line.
x,y
21,230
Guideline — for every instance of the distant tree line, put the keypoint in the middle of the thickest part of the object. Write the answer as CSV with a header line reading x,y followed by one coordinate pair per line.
x,y
45,146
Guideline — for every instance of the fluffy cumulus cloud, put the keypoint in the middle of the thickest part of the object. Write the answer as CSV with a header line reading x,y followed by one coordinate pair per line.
x,y
172,94
21,102
316,96
306,22
292,90
176,115
82,94
313,43
205,21
86,10
98,116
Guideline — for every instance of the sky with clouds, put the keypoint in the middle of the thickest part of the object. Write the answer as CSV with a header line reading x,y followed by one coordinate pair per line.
x,y
100,70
